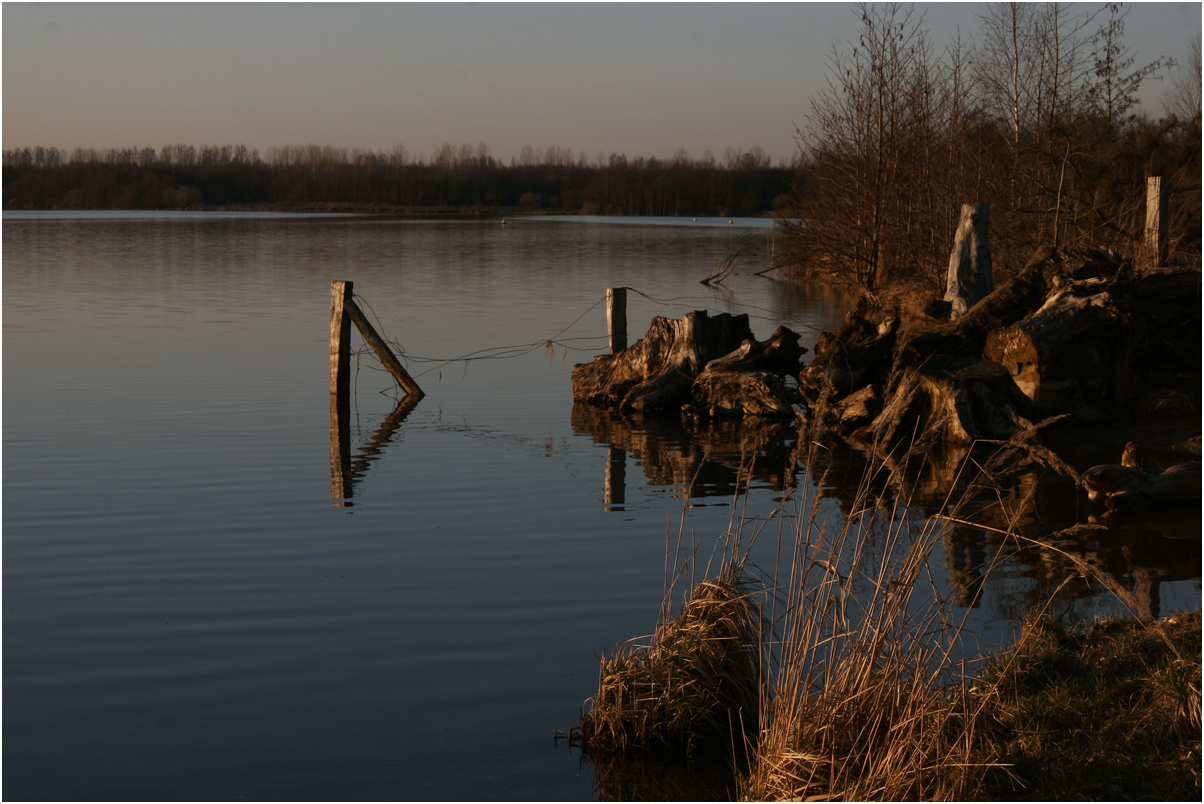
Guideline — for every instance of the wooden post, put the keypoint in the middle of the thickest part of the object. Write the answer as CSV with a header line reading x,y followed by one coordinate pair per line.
x,y
382,351
340,404
969,280
616,318
1155,222
340,337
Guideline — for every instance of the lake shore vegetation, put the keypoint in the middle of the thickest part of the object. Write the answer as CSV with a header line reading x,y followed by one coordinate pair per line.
x,y
455,180
873,688
1034,114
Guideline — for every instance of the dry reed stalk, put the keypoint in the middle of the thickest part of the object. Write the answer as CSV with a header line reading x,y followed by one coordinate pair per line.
x,y
861,706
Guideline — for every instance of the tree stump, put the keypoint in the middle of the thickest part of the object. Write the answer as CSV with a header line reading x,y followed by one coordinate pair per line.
x,y
1057,356
954,400
739,394
657,372
859,353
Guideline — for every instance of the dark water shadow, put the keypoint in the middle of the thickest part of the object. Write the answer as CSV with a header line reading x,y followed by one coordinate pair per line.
x,y
346,471
655,777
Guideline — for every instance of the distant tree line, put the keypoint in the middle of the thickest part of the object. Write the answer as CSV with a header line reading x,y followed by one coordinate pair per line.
x,y
464,177
1036,117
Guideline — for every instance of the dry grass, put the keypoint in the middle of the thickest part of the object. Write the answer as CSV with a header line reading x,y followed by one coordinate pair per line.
x,y
860,706
849,664
694,686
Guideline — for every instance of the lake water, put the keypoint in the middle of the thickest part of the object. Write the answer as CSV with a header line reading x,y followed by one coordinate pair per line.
x,y
188,614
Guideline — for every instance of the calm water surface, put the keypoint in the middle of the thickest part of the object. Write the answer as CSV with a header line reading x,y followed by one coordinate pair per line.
x,y
186,613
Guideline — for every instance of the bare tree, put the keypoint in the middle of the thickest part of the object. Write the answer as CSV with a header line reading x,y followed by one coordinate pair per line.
x,y
861,129
1183,100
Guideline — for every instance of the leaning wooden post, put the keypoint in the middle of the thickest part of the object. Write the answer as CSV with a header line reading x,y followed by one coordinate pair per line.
x,y
1155,222
969,277
340,404
616,318
383,352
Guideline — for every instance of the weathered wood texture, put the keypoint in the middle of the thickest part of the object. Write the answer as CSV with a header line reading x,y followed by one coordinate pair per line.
x,y
845,361
739,394
952,400
340,336
1005,306
749,381
657,372
779,353
1154,243
383,351
969,279
1059,356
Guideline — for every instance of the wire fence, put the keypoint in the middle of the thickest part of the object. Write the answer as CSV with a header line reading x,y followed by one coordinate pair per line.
x,y
569,344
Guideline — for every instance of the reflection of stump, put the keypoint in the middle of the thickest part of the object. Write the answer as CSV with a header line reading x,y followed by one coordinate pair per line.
x,y
965,558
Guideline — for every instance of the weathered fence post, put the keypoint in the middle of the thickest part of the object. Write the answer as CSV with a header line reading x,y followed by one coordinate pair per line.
x,y
616,318
1155,222
340,405
969,276
340,337
344,311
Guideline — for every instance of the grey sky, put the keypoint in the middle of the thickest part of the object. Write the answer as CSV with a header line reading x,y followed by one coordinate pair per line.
x,y
640,79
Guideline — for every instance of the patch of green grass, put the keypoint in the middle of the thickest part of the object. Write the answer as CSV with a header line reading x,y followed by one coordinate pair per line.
x,y
1110,712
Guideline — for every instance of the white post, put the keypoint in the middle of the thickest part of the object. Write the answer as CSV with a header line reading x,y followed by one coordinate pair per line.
x,y
969,276
1155,222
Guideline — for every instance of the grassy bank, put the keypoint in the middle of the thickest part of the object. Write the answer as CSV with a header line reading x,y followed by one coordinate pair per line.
x,y
1110,711
862,693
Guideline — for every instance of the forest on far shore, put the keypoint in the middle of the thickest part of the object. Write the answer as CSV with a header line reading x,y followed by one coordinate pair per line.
x,y
464,178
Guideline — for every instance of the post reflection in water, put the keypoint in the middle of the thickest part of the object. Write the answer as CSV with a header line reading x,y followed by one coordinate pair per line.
x,y
344,471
